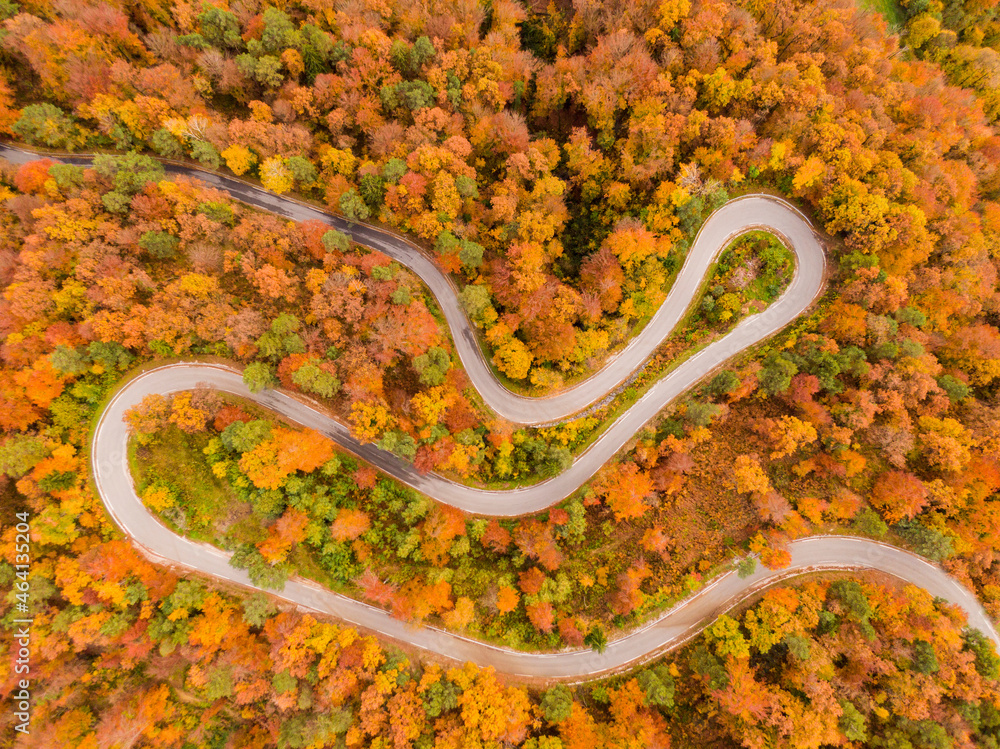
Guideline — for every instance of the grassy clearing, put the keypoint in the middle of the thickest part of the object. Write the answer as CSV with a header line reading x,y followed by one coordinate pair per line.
x,y
201,500
890,10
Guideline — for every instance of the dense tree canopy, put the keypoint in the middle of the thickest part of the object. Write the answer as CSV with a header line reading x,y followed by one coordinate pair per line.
x,y
557,164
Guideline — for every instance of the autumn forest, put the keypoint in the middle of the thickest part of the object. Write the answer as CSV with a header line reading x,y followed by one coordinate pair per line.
x,y
556,163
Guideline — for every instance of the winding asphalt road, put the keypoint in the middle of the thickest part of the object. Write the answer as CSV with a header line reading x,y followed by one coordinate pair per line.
x,y
734,218
114,483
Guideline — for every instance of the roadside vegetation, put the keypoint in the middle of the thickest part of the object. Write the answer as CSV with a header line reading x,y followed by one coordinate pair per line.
x,y
556,164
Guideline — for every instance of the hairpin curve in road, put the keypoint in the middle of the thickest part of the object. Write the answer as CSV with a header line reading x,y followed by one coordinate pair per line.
x,y
114,482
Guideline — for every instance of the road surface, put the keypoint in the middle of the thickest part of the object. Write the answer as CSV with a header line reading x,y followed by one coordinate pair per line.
x,y
114,483
734,218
